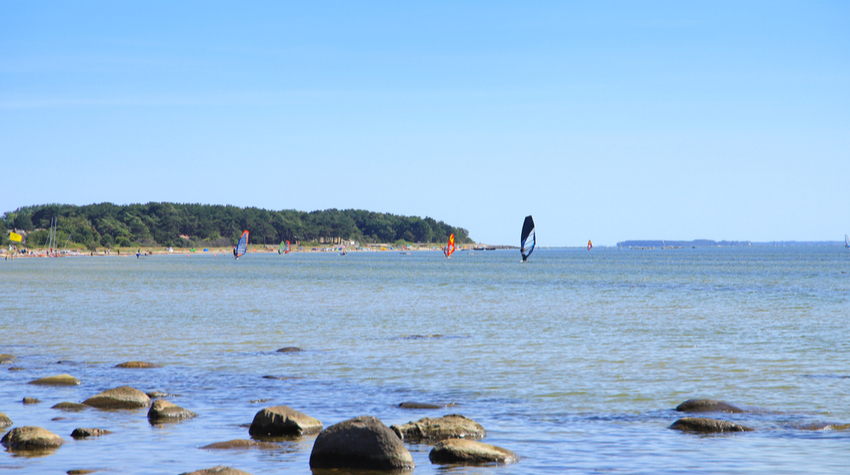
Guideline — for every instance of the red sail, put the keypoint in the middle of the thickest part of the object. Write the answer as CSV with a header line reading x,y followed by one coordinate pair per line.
x,y
451,247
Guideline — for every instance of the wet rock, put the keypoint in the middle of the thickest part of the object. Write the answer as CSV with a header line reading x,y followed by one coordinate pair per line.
x,y
138,364
283,421
707,405
452,426
220,470
469,452
7,359
422,405
158,394
80,433
58,380
80,472
16,368
59,419
701,425
31,400
256,401
282,378
4,420
360,443
241,444
123,397
165,411
70,406
289,349
819,426
31,438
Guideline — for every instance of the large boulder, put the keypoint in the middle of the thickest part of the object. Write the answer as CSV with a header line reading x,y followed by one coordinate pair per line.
x,y
4,420
164,411
123,397
81,433
220,470
280,421
452,426
241,444
470,452
360,443
707,405
4,359
137,364
70,406
702,425
31,438
58,380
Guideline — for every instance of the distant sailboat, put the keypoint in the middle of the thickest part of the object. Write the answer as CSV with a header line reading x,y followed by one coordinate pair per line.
x,y
589,245
285,248
528,238
242,247
450,248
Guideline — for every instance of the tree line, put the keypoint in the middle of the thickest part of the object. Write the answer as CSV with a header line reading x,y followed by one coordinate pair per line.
x,y
162,224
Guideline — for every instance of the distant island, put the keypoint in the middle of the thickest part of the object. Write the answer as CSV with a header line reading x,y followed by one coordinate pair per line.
x,y
663,243
107,225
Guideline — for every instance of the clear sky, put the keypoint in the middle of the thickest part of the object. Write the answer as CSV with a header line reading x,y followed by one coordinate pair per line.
x,y
605,120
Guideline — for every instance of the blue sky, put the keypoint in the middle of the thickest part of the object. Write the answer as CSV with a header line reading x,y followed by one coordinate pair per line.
x,y
606,121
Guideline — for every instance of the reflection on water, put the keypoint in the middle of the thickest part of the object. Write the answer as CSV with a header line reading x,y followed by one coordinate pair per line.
x,y
574,360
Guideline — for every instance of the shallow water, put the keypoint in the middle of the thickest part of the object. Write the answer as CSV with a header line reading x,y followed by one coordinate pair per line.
x,y
574,360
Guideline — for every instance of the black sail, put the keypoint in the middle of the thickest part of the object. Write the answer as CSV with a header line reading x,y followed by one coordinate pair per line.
x,y
528,239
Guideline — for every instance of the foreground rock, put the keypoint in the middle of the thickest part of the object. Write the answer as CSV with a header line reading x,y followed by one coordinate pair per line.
x,y
470,452
4,420
220,470
58,380
123,397
360,443
241,444
31,438
7,359
70,406
31,400
164,411
80,433
452,426
289,349
701,425
707,405
138,364
280,421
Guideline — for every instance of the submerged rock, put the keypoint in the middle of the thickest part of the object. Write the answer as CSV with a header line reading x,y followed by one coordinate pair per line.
x,y
165,411
283,421
58,380
220,470
7,359
702,425
123,397
452,426
81,471
469,452
81,433
241,444
289,349
360,443
16,368
137,364
70,406
707,405
31,400
158,394
4,420
31,438
423,405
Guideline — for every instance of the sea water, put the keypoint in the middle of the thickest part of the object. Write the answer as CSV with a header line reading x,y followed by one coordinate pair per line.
x,y
574,360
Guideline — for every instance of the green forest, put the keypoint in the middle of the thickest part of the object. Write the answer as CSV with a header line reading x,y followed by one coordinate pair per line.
x,y
107,225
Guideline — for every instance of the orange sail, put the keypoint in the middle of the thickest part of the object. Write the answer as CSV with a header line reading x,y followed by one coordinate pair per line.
x,y
451,247
589,245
